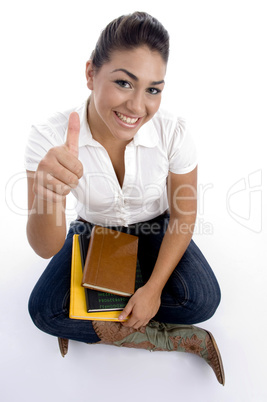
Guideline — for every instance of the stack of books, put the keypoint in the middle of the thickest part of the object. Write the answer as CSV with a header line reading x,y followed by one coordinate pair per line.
x,y
104,274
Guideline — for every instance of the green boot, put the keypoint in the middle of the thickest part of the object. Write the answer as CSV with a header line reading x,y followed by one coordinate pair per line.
x,y
157,336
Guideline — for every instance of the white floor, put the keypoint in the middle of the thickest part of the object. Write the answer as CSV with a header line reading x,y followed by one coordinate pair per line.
x,y
217,80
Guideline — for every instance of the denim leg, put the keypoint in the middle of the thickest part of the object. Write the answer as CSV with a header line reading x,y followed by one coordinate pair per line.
x,y
49,300
192,293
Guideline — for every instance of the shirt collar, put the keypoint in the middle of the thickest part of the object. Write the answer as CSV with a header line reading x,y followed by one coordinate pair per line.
x,y
147,136
86,137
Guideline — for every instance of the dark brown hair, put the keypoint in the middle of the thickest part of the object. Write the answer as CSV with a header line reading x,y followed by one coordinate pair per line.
x,y
128,32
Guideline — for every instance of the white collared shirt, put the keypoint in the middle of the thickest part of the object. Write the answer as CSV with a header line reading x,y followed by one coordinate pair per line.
x,y
163,144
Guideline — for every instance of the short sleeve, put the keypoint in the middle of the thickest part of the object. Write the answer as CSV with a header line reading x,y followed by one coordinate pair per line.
x,y
182,151
40,140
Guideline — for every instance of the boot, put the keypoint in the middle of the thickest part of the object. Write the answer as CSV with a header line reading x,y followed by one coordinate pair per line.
x,y
63,346
157,336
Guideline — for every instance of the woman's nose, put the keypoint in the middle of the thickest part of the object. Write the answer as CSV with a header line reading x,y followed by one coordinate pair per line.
x,y
136,104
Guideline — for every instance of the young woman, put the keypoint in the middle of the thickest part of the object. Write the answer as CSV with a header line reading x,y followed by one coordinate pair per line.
x,y
132,167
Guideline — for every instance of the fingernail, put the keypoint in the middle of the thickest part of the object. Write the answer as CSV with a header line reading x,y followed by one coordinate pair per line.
x,y
121,317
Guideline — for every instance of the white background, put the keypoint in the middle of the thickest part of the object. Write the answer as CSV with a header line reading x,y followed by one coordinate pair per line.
x,y
216,80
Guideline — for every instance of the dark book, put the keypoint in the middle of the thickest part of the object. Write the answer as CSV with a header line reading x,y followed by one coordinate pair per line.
x,y
104,301
110,264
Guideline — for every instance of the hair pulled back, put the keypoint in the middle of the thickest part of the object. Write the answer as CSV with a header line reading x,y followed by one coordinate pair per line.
x,y
129,32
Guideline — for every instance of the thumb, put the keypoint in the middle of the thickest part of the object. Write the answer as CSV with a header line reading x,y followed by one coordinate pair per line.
x,y
127,311
72,141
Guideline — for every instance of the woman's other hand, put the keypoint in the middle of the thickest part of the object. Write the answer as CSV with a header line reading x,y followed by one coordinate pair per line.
x,y
141,308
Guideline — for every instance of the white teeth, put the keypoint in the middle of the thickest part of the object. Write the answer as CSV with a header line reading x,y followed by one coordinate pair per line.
x,y
126,119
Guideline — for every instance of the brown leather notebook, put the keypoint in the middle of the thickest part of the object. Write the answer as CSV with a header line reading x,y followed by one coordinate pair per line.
x,y
110,264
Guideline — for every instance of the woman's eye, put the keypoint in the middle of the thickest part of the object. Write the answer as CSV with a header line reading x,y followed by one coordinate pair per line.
x,y
154,91
123,84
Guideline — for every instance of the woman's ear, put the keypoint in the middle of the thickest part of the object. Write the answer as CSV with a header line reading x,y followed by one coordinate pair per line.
x,y
89,73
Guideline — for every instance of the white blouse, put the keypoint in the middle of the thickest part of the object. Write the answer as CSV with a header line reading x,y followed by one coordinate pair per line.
x,y
163,144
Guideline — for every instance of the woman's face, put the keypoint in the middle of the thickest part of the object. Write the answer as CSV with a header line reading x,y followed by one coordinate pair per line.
x,y
126,92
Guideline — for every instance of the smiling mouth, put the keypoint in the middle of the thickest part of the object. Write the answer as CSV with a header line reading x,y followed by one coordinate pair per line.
x,y
127,119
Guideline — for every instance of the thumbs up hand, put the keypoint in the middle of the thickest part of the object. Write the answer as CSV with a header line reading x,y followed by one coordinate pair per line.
x,y
60,170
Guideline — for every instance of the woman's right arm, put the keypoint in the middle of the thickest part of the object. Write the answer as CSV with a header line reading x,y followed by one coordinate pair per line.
x,y
57,173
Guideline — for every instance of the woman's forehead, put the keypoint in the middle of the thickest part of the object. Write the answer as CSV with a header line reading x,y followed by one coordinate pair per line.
x,y
137,61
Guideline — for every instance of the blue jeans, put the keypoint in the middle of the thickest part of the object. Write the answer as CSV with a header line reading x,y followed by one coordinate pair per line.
x,y
191,295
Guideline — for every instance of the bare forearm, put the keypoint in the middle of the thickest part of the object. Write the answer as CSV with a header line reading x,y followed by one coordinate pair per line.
x,y
174,244
46,227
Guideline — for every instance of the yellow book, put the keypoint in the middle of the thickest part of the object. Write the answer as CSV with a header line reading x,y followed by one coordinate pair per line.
x,y
78,308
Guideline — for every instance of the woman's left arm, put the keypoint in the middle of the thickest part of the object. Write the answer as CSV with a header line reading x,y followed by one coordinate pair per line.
x,y
182,195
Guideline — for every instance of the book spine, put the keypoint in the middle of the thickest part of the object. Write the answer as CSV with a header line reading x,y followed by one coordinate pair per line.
x,y
99,256
89,254
72,284
93,259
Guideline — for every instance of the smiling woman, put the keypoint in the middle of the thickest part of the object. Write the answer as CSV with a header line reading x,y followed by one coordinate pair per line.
x,y
132,167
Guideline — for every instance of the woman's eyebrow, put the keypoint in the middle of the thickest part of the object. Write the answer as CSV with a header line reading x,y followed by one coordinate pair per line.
x,y
157,82
131,75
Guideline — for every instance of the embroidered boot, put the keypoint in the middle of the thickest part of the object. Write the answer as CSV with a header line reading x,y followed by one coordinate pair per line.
x,y
157,336
63,346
